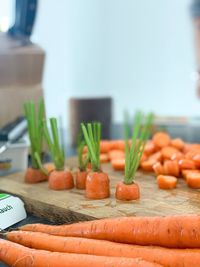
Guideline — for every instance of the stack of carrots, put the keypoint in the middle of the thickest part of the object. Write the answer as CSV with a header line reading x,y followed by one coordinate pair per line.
x,y
168,158
172,241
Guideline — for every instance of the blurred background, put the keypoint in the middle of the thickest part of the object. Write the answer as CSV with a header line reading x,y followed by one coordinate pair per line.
x,y
141,53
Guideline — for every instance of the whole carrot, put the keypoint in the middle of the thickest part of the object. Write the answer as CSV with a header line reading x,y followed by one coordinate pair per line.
x,y
169,231
163,256
19,256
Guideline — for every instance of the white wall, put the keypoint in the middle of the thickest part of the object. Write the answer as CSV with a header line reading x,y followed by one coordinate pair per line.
x,y
139,52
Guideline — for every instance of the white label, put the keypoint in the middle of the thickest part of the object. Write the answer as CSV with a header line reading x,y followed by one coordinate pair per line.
x,y
11,211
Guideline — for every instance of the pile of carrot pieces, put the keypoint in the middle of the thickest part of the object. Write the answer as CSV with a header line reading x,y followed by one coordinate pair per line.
x,y
168,158
171,241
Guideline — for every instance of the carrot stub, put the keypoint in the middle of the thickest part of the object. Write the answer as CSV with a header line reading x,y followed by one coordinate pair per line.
x,y
186,164
171,168
61,180
80,179
33,176
193,180
166,182
127,192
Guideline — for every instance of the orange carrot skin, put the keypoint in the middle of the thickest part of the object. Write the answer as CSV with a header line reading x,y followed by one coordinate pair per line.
x,y
19,256
166,182
61,180
161,139
127,192
97,185
80,179
193,180
33,176
158,168
118,164
157,231
171,168
186,172
186,164
163,256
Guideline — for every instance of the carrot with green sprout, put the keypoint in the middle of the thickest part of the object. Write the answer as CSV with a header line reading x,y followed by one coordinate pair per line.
x,y
83,160
97,182
59,179
127,189
36,173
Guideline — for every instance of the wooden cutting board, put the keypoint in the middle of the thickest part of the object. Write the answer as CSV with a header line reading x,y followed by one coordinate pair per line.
x,y
71,205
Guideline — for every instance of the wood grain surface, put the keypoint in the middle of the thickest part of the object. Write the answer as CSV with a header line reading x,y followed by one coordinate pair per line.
x,y
71,205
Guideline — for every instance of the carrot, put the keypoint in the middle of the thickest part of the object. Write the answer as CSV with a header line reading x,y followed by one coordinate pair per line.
x,y
116,154
169,231
163,256
186,172
149,148
196,159
33,176
127,191
186,164
80,179
177,156
171,168
193,180
105,146
143,158
157,156
118,164
161,139
61,180
19,256
118,145
177,143
50,167
166,182
168,151
148,165
158,168
97,185
104,158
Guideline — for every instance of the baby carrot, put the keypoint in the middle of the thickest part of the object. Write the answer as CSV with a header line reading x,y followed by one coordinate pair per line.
x,y
118,164
17,255
163,256
168,231
171,168
161,139
166,182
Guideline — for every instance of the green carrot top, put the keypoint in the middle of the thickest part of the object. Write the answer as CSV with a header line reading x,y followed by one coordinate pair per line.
x,y
82,161
133,153
92,136
54,144
35,130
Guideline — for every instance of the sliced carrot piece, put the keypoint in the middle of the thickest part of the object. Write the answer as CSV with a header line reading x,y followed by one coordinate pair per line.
x,y
144,157
177,143
171,168
156,156
105,146
193,180
168,151
186,172
161,139
116,154
166,182
118,164
118,144
149,148
158,168
148,165
104,158
177,156
186,164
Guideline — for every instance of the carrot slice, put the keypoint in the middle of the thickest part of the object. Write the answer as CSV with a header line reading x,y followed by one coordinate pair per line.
x,y
116,154
104,158
118,144
193,180
158,168
149,148
177,143
186,164
127,192
156,156
105,146
186,172
148,165
168,151
161,139
118,164
177,156
171,168
144,157
166,182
